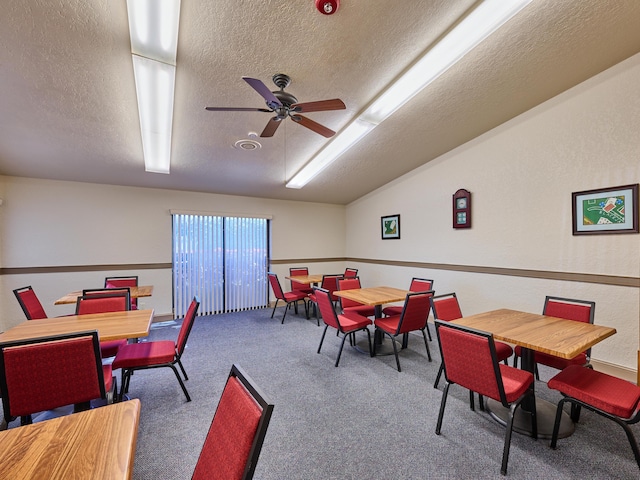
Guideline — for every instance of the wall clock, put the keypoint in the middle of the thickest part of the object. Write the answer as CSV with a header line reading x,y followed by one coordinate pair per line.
x,y
462,209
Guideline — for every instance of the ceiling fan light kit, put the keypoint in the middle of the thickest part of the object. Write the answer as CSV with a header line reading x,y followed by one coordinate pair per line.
x,y
479,24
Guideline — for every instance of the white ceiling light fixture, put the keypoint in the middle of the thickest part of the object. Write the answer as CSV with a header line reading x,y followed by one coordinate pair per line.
x,y
485,19
153,28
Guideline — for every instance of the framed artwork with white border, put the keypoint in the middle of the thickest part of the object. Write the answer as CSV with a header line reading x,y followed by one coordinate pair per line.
x,y
605,210
390,227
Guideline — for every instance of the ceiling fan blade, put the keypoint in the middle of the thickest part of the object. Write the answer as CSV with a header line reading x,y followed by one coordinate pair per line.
x,y
271,127
311,125
234,109
262,89
320,106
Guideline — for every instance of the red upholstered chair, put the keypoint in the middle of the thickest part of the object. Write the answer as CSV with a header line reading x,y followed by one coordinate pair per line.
x,y
413,317
104,301
289,298
611,397
349,306
470,360
237,432
417,285
157,354
446,307
297,286
29,302
118,282
329,283
44,373
347,324
569,309
350,272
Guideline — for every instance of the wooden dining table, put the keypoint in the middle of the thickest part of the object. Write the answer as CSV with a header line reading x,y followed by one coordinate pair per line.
x,y
110,326
94,444
376,297
534,332
306,279
135,292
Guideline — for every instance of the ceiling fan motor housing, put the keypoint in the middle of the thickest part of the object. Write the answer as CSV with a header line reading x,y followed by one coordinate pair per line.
x,y
327,7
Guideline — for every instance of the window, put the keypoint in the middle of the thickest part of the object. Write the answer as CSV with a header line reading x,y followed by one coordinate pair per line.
x,y
222,260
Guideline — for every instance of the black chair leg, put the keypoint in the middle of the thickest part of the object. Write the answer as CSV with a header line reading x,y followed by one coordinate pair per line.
x,y
426,345
443,402
440,370
274,307
184,389
322,339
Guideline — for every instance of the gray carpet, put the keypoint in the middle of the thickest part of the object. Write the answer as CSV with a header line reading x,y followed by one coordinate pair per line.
x,y
361,420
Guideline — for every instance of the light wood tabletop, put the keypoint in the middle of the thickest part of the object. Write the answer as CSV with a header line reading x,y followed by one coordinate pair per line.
x,y
555,336
98,444
306,279
110,326
374,296
136,292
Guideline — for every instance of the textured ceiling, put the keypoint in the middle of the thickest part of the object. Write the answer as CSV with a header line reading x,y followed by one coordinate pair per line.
x,y
68,106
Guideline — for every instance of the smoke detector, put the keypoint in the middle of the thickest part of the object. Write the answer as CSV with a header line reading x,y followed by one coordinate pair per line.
x,y
247,144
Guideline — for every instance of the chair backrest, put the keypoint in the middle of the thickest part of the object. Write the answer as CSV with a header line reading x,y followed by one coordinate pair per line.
x,y
103,303
44,373
29,302
446,307
469,359
421,284
117,282
349,284
569,309
350,272
330,283
325,305
237,432
415,312
275,285
187,323
298,271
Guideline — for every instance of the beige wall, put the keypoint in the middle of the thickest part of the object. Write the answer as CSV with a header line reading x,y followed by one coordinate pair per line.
x,y
521,176
52,223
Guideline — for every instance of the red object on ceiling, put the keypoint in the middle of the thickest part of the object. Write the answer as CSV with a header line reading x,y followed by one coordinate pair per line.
x,y
327,7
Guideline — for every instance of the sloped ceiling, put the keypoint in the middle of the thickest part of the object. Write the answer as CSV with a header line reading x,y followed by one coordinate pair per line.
x,y
68,105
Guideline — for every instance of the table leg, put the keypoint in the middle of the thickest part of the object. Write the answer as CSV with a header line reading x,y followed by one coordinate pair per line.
x,y
545,411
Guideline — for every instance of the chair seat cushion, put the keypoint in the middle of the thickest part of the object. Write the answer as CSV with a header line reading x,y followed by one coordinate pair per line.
x,y
503,351
388,324
364,310
352,321
556,362
111,347
515,381
605,392
392,310
145,353
294,295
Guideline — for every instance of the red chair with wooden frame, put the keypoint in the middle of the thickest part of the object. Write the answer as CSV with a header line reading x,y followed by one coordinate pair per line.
x,y
40,374
608,396
446,307
470,360
413,317
569,309
289,298
30,303
347,324
237,432
127,281
157,354
350,306
104,301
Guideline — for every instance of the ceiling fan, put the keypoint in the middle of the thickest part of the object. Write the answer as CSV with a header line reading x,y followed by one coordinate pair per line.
x,y
284,105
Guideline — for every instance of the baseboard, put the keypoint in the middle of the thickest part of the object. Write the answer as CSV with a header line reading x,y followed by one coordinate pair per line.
x,y
616,370
162,318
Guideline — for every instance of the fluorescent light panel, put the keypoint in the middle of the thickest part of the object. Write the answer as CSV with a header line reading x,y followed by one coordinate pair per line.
x,y
471,31
153,27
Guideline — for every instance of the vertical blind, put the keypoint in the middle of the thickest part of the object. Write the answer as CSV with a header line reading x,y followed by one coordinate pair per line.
x,y
222,260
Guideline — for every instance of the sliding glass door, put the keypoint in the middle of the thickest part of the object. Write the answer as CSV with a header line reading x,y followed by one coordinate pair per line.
x,y
222,260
